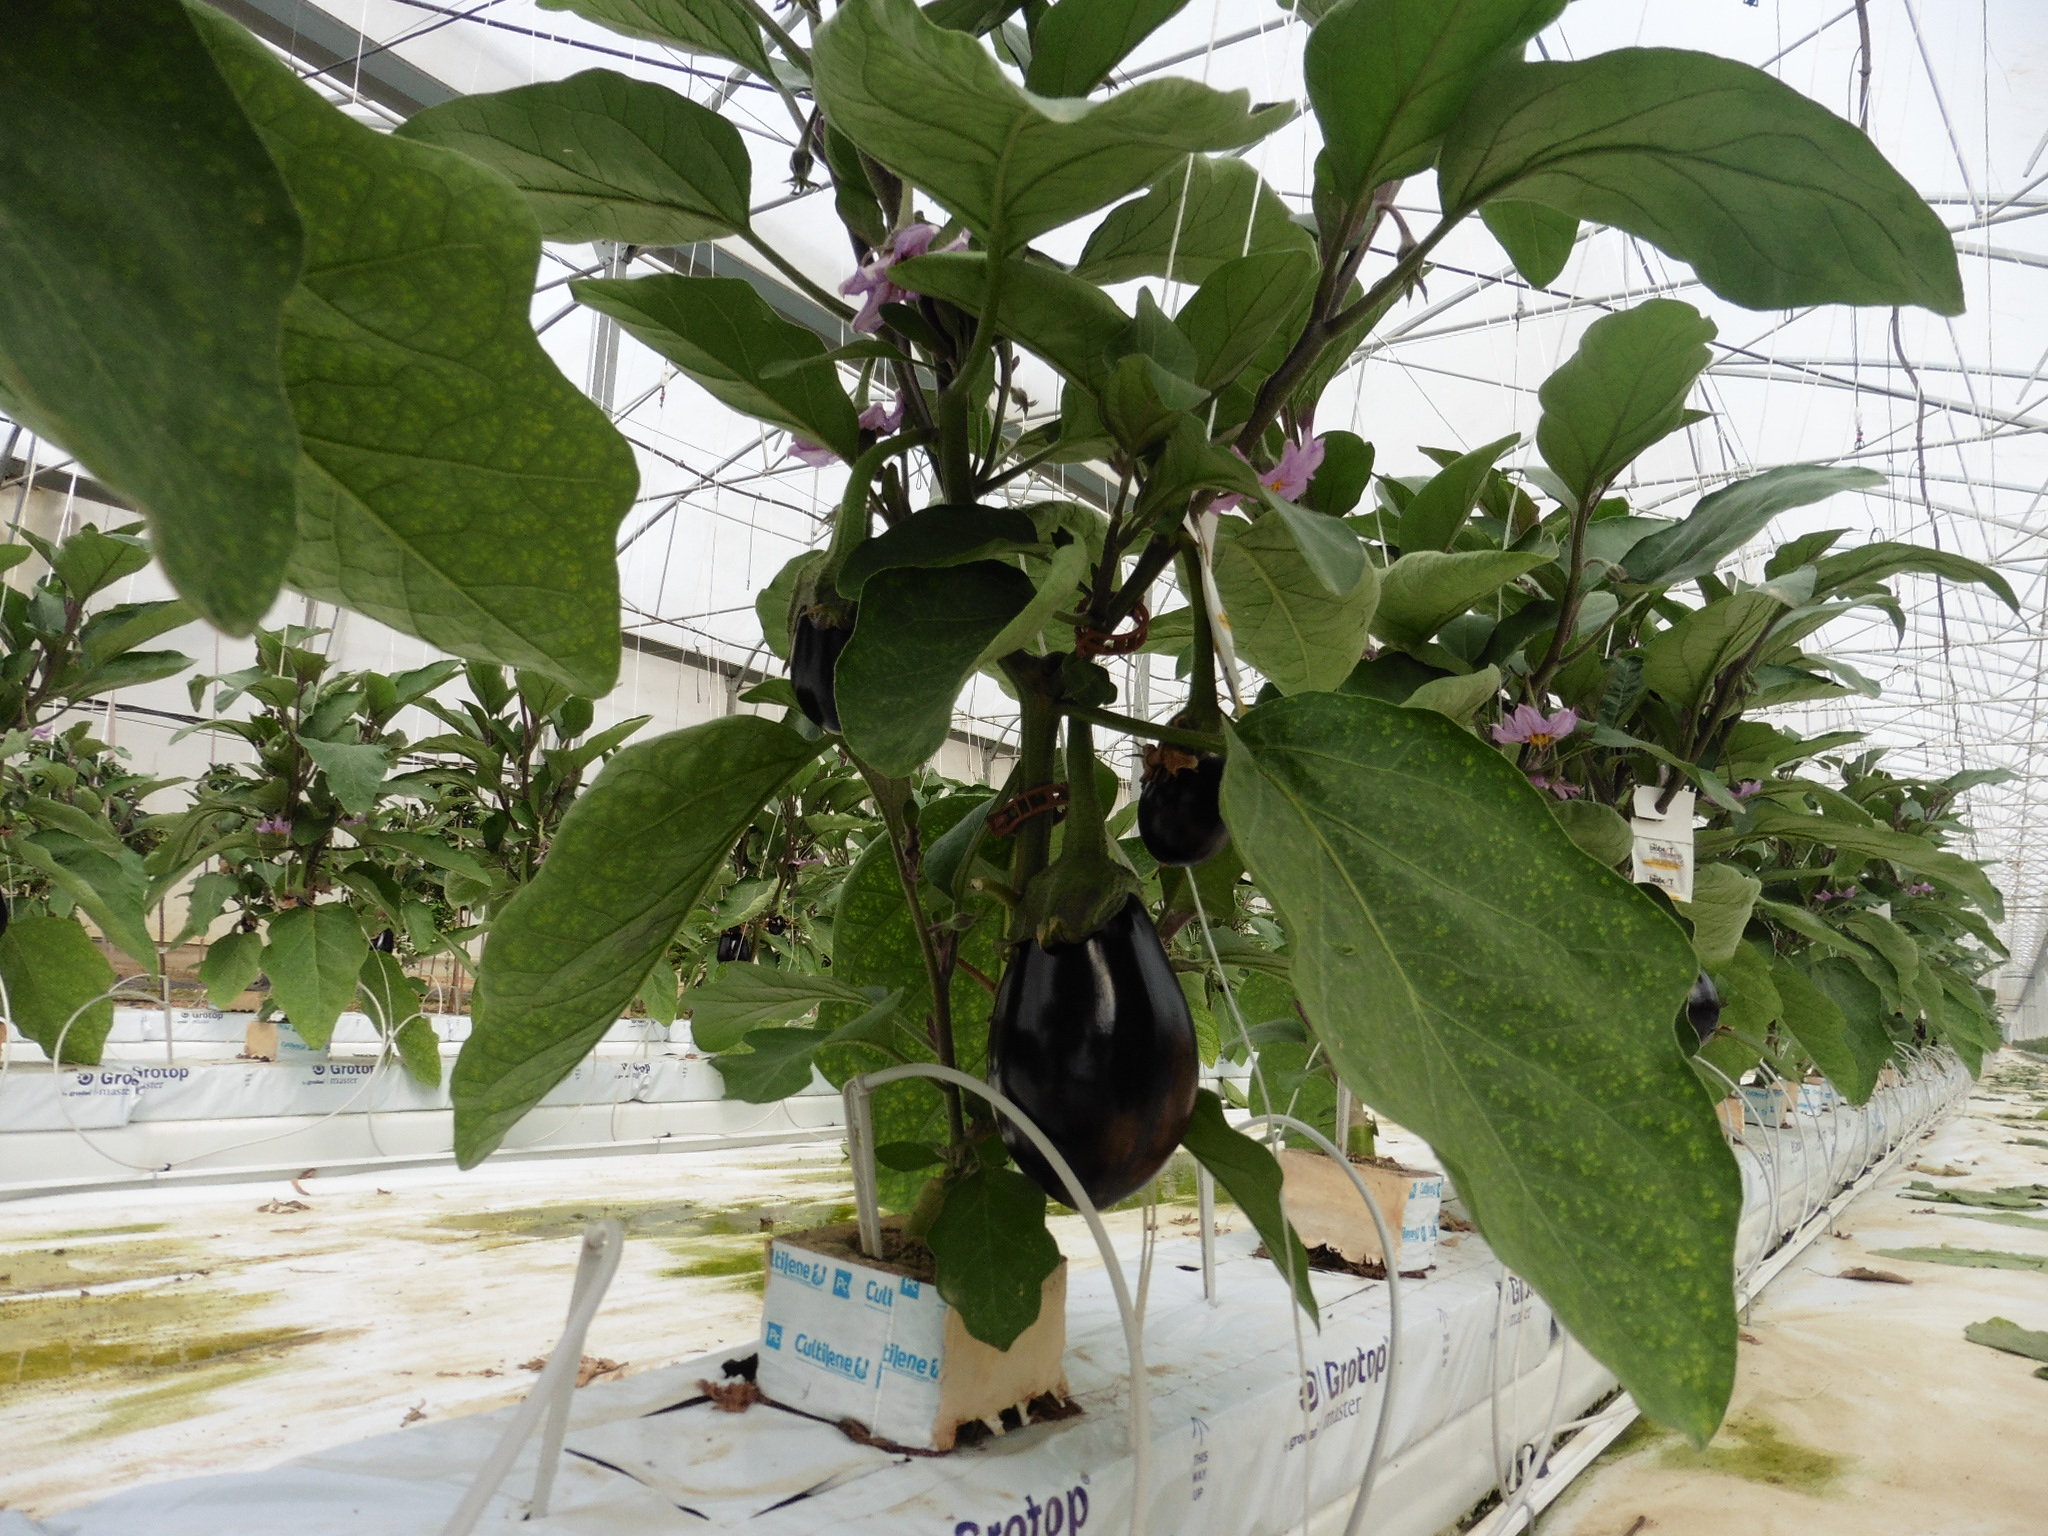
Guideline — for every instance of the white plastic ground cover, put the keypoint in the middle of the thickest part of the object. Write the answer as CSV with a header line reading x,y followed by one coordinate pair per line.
x,y
1245,1441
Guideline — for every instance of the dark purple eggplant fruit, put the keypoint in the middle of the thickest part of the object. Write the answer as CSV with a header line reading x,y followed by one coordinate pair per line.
x,y
3,915
1180,816
733,944
777,924
386,941
1094,1042
1703,1007
813,652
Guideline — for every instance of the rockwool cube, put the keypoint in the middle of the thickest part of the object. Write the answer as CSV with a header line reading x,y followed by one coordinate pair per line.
x,y
852,1338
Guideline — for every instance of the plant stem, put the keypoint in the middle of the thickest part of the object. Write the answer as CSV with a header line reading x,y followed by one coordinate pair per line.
x,y
850,527
938,958
956,457
1205,711
789,45
1037,740
1156,557
1174,736
783,265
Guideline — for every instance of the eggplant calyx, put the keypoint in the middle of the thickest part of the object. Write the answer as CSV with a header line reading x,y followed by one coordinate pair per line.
x,y
1089,883
1163,760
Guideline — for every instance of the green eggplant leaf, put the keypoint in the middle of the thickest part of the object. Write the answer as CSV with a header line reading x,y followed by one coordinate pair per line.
x,y
935,538
419,1050
1917,854
1681,663
722,333
232,963
1433,517
354,772
1538,240
1729,518
632,856
602,156
994,1253
54,972
726,29
935,107
454,484
1480,981
313,959
1723,897
1387,77
1599,830
1877,561
1240,309
1072,324
1284,617
147,248
1078,42
388,997
775,1064
1850,1054
918,638
746,998
1063,574
659,993
1422,592
1776,202
1622,390
1194,216
1250,1175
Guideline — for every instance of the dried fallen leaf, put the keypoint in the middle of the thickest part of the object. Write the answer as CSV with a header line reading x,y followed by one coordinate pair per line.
x,y
283,1207
1747,1337
1944,1172
414,1414
1881,1276
731,1396
594,1367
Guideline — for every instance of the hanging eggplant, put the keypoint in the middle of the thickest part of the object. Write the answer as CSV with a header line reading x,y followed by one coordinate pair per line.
x,y
733,944
1091,1034
814,649
1703,1007
1180,814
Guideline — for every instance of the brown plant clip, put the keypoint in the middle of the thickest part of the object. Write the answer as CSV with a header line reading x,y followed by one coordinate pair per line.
x,y
1018,809
1092,642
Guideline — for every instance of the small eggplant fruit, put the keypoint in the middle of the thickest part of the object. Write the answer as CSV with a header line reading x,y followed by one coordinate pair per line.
x,y
3,915
813,652
733,944
1180,816
386,941
776,924
1703,1007
1093,1040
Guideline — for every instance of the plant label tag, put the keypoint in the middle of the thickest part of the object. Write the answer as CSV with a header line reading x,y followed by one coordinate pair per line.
x,y
1663,849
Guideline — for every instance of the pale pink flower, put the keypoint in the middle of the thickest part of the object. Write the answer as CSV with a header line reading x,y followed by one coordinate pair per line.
x,y
1286,479
1529,724
1748,787
872,281
882,419
817,455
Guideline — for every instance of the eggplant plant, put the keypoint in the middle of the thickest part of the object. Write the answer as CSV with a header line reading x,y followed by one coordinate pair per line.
x,y
72,829
1463,965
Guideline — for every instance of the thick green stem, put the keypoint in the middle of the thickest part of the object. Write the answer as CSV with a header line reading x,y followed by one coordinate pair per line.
x,y
781,263
1038,738
851,525
1173,736
956,405
1204,711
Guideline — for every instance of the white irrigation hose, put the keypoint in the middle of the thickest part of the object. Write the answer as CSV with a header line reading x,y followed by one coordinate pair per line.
x,y
860,1145
1389,1257
603,1244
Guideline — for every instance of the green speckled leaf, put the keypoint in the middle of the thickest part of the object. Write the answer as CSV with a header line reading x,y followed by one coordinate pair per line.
x,y
1481,982
313,959
994,1253
147,247
454,484
53,972
570,951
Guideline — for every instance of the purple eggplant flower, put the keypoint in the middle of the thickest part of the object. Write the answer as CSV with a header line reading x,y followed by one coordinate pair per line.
x,y
1564,789
872,282
1529,724
882,419
817,455
274,826
1919,888
1844,894
39,733
1748,787
1288,478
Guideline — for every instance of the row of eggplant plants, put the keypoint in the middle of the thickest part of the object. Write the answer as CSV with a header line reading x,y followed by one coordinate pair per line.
x,y
334,347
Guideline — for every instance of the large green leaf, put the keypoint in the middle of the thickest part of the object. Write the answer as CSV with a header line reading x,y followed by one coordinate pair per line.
x,y
1284,618
1077,42
355,772
232,963
1917,854
387,997
1775,201
1729,518
53,972
147,247
1201,213
775,1064
746,997
1387,77
1876,561
1538,240
454,486
1433,517
1072,324
935,538
935,107
1723,896
1251,1175
722,333
1623,390
602,156
313,958
1681,662
725,28
568,953
1422,592
1849,1054
1241,307
919,637
1749,998
994,1253
107,883
1481,982
1063,573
